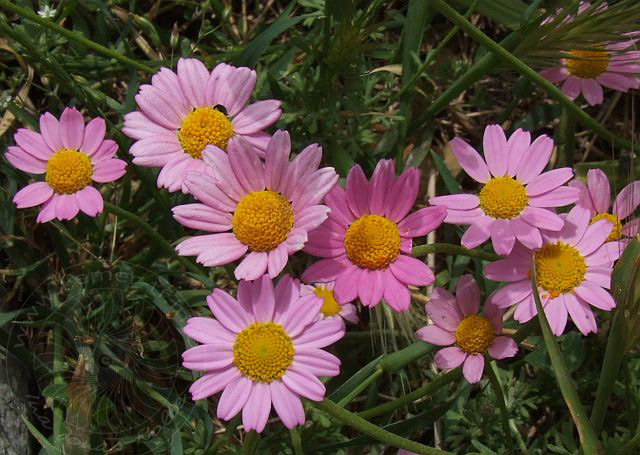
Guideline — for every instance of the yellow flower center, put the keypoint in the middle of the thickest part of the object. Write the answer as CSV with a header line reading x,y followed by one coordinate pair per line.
x,y
474,334
263,352
587,64
68,171
503,198
372,242
329,305
262,220
204,126
616,233
559,268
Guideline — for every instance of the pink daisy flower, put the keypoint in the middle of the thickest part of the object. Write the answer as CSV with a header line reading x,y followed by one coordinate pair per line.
x,y
268,207
517,198
366,242
573,268
330,306
261,350
596,197
616,66
71,157
456,323
182,114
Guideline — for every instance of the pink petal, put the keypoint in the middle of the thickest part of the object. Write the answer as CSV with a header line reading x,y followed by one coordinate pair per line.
x,y
208,331
246,165
32,143
518,145
193,77
403,195
277,259
160,107
473,368
138,126
436,335
549,180
50,131
422,221
256,411
317,362
599,275
525,310
556,313
507,270
257,116
32,195
303,383
449,358
396,294
463,216
277,160
542,218
205,189
555,75
576,223
477,233
109,170
631,228
595,296
93,136
607,254
71,128
66,207
357,192
241,85
381,181
592,91
502,237
594,236
320,334
286,404
325,270
620,82
494,145
234,397
371,287
571,87
468,295
202,217
599,190
456,201
346,286
470,160
336,199
528,235
412,271
89,200
558,197
295,321
228,311
48,211
627,200
105,151
502,348
443,310
535,159
24,161
206,357
311,217
253,266
581,314
512,293
213,382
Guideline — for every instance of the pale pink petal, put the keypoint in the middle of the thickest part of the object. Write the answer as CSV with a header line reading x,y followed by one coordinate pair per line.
x,y
411,271
259,141
246,165
50,131
607,254
595,235
581,314
507,270
48,211
206,357
575,225
241,86
256,411
548,181
357,191
71,128
277,160
277,260
556,313
443,310
468,295
105,151
542,218
494,145
33,143
620,82
595,296
592,91
396,294
311,217
193,77
257,116
316,187
526,310
512,293
449,358
234,397
571,87
24,161
336,200
558,197
166,81
599,190
32,195
66,207
463,216
160,107
325,270
371,287
599,275
286,404
202,217
218,160
403,195
208,331
436,335
138,126
304,383
456,201
317,362
528,235
213,382
470,160
205,189
381,182
321,333
555,75
228,311
89,200
161,147
477,233
93,136
253,266
473,368
264,300
349,312
502,237
346,286
109,170
627,200
325,242
296,321
631,228
535,159
422,221
518,145
502,348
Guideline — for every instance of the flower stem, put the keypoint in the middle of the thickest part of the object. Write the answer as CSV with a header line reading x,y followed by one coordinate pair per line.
x,y
296,442
155,237
449,248
568,131
363,385
499,395
503,54
588,439
249,443
374,431
28,14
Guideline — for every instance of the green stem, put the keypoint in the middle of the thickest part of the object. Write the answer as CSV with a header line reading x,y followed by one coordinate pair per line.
x,y
296,441
363,385
58,365
28,14
449,248
249,443
568,128
499,395
506,56
374,431
588,439
155,237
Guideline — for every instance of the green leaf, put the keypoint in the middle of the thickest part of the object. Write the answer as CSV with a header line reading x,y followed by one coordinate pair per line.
x,y
505,12
449,180
350,384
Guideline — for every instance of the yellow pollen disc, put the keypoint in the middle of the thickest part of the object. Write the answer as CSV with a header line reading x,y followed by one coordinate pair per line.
x,y
503,198
263,352
616,233
262,220
474,335
587,64
329,305
68,171
372,242
204,126
560,268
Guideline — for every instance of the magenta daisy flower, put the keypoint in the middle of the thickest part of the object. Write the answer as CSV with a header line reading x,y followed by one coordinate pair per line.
x,y
182,114
261,350
596,197
366,241
456,323
71,157
330,306
268,207
573,268
517,198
